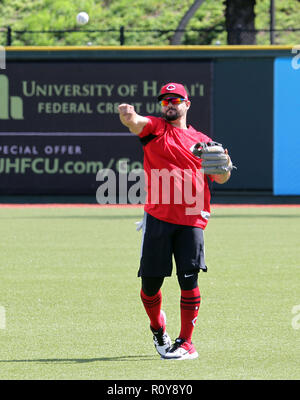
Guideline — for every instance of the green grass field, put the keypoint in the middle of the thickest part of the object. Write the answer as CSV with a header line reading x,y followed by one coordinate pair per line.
x,y
72,308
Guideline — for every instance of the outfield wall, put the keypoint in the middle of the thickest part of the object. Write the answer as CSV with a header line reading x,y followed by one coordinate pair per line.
x,y
59,121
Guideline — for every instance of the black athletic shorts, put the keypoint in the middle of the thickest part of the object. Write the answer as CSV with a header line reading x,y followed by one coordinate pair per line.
x,y
163,240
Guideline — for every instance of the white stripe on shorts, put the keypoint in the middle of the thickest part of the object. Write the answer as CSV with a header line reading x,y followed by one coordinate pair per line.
x,y
143,231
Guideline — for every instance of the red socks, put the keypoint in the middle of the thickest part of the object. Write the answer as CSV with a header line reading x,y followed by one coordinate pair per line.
x,y
152,306
189,308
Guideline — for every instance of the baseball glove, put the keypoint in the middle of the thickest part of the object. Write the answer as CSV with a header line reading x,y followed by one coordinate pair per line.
x,y
214,159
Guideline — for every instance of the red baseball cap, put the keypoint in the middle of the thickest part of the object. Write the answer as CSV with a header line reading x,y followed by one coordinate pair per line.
x,y
173,88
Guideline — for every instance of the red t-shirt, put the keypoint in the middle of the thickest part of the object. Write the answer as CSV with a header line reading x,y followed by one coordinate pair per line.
x,y
177,192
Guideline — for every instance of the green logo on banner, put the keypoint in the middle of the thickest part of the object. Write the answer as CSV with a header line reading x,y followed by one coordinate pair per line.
x,y
11,107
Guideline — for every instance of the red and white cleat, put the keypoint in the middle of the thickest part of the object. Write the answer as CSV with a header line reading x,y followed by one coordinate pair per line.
x,y
181,350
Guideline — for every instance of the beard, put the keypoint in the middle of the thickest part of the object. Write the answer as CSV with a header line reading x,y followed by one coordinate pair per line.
x,y
171,114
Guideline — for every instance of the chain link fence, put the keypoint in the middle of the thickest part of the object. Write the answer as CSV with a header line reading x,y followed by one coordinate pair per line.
x,y
123,36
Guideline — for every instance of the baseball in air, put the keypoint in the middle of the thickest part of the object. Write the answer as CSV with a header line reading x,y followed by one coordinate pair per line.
x,y
82,18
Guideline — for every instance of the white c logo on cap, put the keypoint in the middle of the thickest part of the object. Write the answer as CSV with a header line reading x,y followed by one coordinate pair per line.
x,y
171,87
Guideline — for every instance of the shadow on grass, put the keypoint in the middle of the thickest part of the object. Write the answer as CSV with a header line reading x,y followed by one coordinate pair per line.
x,y
83,360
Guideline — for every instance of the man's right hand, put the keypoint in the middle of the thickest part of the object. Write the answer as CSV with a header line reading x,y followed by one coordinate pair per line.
x,y
131,119
127,114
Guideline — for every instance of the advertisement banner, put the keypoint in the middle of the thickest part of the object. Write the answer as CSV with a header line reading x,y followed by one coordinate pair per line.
x,y
286,179
59,121
84,96
64,164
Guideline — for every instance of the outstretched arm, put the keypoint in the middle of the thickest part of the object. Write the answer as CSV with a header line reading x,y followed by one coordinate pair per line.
x,y
131,119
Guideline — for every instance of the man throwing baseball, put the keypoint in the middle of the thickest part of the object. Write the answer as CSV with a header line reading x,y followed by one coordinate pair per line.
x,y
176,211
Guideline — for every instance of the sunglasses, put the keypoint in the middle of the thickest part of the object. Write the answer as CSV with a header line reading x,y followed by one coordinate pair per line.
x,y
173,100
